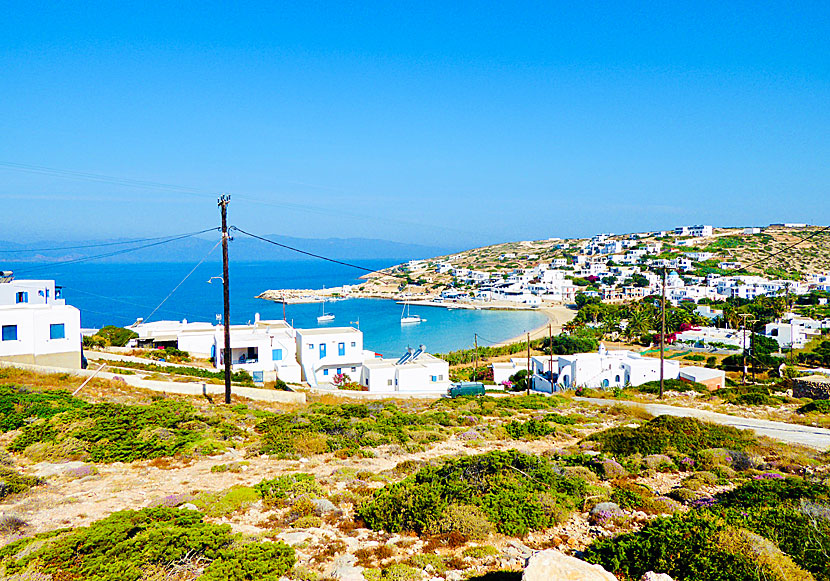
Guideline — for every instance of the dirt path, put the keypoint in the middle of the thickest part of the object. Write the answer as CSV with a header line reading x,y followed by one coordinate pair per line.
x,y
818,438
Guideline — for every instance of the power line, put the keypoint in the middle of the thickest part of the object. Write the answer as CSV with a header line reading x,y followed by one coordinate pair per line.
x,y
313,255
52,265
170,294
97,245
123,302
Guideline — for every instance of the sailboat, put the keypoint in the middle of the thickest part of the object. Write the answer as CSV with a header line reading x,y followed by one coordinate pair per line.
x,y
407,318
324,317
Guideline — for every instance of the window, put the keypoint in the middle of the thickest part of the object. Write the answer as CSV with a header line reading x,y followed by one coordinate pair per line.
x,y
22,297
311,345
341,349
9,332
276,354
57,331
325,372
354,369
440,378
339,371
617,379
354,344
433,378
388,382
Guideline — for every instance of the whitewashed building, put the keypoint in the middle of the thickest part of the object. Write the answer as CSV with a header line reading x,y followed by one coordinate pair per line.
x,y
329,351
36,324
415,372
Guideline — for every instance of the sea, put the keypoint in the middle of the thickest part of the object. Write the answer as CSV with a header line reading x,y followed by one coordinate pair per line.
x,y
120,293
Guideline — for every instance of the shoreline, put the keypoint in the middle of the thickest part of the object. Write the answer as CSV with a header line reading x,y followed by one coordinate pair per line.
x,y
557,316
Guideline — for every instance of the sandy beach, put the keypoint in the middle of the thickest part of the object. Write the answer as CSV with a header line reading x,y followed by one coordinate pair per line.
x,y
557,315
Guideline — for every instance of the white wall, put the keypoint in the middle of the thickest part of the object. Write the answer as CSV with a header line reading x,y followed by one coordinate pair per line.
x,y
33,343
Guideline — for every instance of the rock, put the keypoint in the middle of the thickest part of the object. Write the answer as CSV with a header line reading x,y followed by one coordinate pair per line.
x,y
454,575
652,576
345,569
553,565
188,506
44,469
517,550
323,506
295,537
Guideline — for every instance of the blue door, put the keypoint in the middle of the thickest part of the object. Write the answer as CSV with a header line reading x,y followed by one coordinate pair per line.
x,y
322,350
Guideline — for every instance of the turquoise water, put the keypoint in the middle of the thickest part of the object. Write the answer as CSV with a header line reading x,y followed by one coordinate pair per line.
x,y
118,294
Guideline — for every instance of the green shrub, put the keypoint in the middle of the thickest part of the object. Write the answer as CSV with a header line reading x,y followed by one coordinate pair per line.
x,y
531,429
251,562
506,486
287,488
12,482
121,546
670,385
108,432
664,433
772,492
693,546
467,520
821,406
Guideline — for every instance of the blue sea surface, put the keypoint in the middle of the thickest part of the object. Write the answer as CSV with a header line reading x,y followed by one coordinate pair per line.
x,y
118,294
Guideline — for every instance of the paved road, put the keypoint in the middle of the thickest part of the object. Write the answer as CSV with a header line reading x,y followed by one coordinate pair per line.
x,y
818,438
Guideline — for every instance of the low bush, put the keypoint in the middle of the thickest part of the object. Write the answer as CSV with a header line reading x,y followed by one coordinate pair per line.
x,y
670,385
694,546
122,546
12,482
287,488
665,433
108,432
517,492
821,406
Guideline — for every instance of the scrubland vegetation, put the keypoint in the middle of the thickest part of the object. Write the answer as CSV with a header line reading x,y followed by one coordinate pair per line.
x,y
408,490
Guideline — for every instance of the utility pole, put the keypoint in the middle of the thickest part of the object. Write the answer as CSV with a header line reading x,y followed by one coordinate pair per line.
x,y
475,365
550,363
745,317
528,378
662,331
223,207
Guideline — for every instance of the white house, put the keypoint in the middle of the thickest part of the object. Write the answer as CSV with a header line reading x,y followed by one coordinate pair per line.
x,y
415,372
267,350
601,369
326,352
698,230
37,325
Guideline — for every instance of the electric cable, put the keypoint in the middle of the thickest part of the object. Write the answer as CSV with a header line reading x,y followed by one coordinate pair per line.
x,y
147,318
97,245
52,265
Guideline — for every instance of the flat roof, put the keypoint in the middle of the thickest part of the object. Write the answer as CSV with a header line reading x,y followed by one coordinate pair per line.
x,y
327,330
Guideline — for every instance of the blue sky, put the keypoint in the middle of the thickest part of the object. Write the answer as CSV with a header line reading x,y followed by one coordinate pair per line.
x,y
439,123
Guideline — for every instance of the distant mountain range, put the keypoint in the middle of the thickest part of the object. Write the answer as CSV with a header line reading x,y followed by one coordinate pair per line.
x,y
193,249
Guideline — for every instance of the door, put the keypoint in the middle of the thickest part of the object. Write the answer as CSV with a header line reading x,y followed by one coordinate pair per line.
x,y
322,350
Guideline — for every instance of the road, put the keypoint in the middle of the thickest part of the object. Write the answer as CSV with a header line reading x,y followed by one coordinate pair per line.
x,y
813,437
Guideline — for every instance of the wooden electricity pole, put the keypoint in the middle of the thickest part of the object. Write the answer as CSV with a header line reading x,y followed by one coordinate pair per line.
x,y
528,377
475,365
223,208
550,363
662,331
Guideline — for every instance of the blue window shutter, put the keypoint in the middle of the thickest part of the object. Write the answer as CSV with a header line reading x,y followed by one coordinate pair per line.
x,y
341,349
276,354
57,331
9,332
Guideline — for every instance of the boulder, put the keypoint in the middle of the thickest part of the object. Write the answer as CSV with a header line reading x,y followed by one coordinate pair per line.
x,y
610,507
553,565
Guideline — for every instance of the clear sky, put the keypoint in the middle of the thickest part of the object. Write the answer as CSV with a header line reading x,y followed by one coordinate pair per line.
x,y
449,123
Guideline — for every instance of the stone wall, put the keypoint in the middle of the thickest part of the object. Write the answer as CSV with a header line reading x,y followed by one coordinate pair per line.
x,y
814,387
